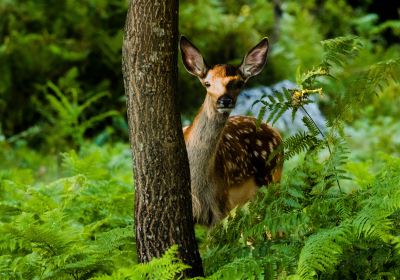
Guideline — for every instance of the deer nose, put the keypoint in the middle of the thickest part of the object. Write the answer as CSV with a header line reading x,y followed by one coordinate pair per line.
x,y
225,102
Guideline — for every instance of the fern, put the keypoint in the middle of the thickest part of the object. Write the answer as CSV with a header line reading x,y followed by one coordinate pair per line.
x,y
241,268
68,113
277,105
309,77
312,128
323,229
322,251
167,267
339,50
72,228
301,141
362,86
372,81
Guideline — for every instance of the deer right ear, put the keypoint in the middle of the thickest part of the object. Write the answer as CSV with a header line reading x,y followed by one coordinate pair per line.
x,y
192,58
255,60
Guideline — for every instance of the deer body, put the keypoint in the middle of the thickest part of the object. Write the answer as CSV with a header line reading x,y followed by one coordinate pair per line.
x,y
228,156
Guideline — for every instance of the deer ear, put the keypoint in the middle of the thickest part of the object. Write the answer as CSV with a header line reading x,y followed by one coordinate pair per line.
x,y
192,58
255,60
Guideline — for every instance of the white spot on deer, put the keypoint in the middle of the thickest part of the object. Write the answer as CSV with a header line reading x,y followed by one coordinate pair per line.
x,y
259,143
274,140
228,136
264,154
271,146
230,165
255,153
247,140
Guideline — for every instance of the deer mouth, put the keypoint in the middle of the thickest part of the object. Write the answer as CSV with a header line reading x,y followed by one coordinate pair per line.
x,y
225,110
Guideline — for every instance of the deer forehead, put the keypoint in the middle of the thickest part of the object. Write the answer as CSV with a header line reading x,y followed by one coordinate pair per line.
x,y
220,76
223,72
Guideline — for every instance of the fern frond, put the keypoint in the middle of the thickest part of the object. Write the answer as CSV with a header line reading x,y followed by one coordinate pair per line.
x,y
374,221
338,50
375,78
307,78
241,269
169,266
260,116
62,104
87,103
311,126
298,143
277,104
322,251
114,239
89,166
84,125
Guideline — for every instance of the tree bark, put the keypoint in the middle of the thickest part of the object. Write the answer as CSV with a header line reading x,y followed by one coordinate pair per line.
x,y
163,210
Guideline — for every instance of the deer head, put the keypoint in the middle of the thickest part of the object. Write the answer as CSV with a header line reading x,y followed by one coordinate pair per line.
x,y
223,82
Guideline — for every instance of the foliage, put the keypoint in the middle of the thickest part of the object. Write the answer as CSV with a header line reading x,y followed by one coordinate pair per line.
x,y
74,227
168,267
66,114
40,41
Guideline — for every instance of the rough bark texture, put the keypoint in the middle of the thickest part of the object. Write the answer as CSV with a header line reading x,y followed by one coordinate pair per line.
x,y
163,211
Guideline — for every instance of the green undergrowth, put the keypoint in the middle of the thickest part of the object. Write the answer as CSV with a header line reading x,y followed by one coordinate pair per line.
x,y
74,227
80,226
303,228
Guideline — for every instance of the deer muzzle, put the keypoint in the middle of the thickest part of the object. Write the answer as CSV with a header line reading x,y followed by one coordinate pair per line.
x,y
225,104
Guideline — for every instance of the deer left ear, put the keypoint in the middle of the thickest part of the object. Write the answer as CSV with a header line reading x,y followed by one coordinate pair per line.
x,y
192,58
255,60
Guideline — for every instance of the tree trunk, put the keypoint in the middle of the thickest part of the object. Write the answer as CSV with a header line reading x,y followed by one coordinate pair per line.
x,y
163,205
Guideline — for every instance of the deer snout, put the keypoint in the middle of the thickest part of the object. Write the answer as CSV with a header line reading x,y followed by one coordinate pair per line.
x,y
225,102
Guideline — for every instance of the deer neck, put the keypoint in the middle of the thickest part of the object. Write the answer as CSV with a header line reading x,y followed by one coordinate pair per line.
x,y
201,144
205,134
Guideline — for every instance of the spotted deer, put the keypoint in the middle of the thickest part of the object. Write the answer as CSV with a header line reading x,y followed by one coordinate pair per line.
x,y
229,157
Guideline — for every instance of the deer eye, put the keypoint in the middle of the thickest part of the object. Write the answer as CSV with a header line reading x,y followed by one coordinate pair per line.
x,y
206,84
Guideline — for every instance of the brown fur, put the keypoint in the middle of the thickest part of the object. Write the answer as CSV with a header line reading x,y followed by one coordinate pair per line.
x,y
235,165
241,193
244,151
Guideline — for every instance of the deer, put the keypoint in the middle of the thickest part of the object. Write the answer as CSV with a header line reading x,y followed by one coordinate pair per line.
x,y
230,158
